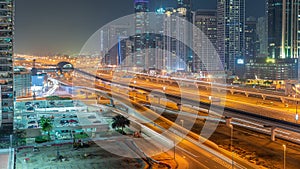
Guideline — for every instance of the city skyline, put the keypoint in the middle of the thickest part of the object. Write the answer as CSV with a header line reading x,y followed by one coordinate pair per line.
x,y
149,84
48,31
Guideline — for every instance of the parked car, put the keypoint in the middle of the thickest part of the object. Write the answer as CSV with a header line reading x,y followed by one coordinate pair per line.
x,y
32,126
73,116
64,122
31,122
73,121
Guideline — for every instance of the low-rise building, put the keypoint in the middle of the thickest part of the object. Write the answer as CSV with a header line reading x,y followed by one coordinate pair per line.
x,y
272,69
22,82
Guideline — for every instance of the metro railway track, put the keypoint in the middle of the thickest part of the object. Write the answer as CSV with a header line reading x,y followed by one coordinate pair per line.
x,y
269,122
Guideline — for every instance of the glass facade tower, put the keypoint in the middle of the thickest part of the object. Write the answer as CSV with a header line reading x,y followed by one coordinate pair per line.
x,y
6,66
231,35
141,39
283,24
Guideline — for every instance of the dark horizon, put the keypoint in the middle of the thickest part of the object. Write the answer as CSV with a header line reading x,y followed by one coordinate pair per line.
x,y
51,27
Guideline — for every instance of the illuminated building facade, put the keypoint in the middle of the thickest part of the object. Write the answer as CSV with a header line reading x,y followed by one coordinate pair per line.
x,y
262,33
117,37
283,26
272,69
22,82
141,39
206,21
174,49
251,39
231,35
6,66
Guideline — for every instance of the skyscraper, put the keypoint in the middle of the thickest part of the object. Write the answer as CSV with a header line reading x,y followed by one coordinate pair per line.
x,y
206,21
6,66
251,39
184,6
262,33
283,26
175,52
231,35
141,39
117,35
184,11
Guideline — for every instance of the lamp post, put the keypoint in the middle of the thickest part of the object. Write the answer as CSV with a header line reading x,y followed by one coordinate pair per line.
x,y
181,122
182,127
174,148
296,116
231,142
210,101
134,82
284,154
228,124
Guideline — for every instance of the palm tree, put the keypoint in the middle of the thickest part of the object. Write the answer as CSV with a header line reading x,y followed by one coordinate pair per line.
x,y
46,125
120,121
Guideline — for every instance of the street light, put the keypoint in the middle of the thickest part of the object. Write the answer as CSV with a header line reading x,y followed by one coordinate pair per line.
x,y
182,122
228,124
231,142
296,116
210,101
134,82
182,127
284,154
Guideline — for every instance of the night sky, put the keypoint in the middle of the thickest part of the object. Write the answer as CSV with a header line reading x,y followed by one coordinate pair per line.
x,y
62,26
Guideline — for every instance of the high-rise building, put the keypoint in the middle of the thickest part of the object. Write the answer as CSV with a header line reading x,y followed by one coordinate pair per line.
x,y
262,33
116,35
206,21
251,39
283,26
184,7
175,52
278,36
231,35
141,39
6,66
184,11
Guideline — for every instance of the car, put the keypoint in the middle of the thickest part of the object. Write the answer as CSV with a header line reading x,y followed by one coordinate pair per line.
x,y
30,109
27,103
32,126
32,122
73,116
73,121
36,105
64,131
64,121
92,117
31,117
35,149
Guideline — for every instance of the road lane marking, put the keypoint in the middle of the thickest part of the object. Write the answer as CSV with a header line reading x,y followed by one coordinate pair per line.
x,y
186,151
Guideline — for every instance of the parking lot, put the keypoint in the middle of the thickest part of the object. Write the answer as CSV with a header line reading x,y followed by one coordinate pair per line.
x,y
65,118
50,106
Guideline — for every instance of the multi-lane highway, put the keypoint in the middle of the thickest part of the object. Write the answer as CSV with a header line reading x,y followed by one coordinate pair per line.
x,y
256,122
197,156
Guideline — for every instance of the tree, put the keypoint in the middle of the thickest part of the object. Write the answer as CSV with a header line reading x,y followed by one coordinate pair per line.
x,y
120,121
20,136
46,125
